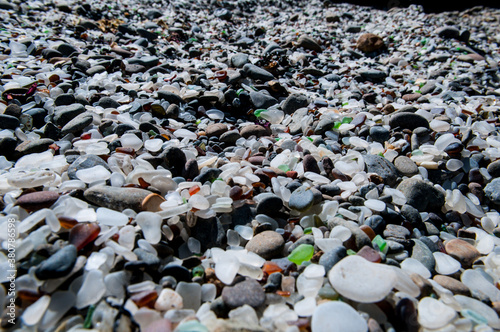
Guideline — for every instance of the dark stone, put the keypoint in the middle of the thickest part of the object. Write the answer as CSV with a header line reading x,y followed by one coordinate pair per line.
x,y
406,120
57,265
38,146
310,164
175,159
246,292
261,100
8,122
332,257
257,73
381,166
171,97
208,174
180,273
269,204
209,232
84,162
191,170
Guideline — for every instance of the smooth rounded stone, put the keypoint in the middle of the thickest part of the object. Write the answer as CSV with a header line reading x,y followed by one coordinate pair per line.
x,y
338,314
57,265
434,314
269,204
332,257
382,167
405,166
91,290
406,120
117,198
412,265
96,173
171,97
168,299
421,194
360,237
37,146
293,102
396,231
462,251
230,137
239,60
179,273
37,200
247,292
8,122
176,160
84,162
454,285
254,130
191,169
448,32
373,74
301,199
64,114
261,100
373,285
380,134
479,308
216,129
257,73
423,254
308,43
445,264
376,222
494,168
108,102
477,283
369,42
267,244
492,191
310,164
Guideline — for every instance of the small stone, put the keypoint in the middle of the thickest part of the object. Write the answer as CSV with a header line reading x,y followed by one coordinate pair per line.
x,y
247,292
448,32
261,100
369,42
494,168
270,205
492,191
310,164
445,264
257,73
294,102
382,167
406,166
406,120
36,146
8,122
216,129
117,198
454,285
58,265
423,254
168,299
37,200
301,199
380,134
421,194
267,244
463,251
254,130
338,314
239,60
332,257
13,110
308,43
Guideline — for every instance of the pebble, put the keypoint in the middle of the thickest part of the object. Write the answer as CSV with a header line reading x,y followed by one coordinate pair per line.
x,y
492,190
434,314
267,244
382,167
452,284
421,194
37,200
463,251
247,292
58,265
406,120
116,198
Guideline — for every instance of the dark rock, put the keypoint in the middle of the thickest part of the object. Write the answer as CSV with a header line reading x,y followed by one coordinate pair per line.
x,y
84,162
406,120
57,265
247,292
382,167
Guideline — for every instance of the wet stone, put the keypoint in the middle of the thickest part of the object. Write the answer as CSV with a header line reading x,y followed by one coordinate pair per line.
x,y
405,120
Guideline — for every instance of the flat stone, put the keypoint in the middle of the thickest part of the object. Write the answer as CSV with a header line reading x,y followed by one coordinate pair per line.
x,y
171,97
423,254
261,100
308,43
405,166
267,244
37,200
239,60
310,164
36,146
254,130
64,114
76,125
247,292
57,265
8,122
454,285
257,73
117,198
448,32
463,251
421,194
216,129
494,168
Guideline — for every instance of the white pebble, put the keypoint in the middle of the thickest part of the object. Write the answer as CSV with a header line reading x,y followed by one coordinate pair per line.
x,y
375,204
110,217
92,174
445,264
434,314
